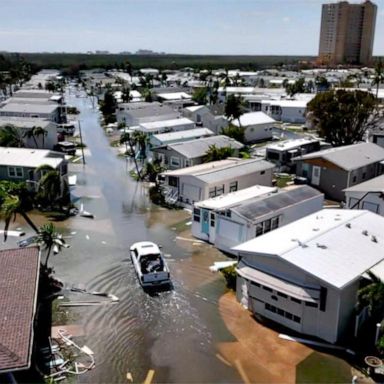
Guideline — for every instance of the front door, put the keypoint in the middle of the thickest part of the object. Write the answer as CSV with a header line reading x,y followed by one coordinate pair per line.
x,y
316,175
205,221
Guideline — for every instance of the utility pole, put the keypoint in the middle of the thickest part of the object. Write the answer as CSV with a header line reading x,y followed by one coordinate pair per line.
x,y
81,142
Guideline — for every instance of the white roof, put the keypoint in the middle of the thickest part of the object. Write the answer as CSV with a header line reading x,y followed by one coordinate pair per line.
x,y
31,158
291,144
179,135
230,199
373,185
146,248
287,103
29,108
195,108
253,118
331,244
155,125
174,96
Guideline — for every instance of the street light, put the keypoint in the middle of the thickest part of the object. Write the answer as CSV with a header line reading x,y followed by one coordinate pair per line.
x,y
81,142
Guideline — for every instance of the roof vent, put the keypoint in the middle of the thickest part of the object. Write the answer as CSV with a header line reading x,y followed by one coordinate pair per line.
x,y
374,239
322,246
365,232
348,225
315,229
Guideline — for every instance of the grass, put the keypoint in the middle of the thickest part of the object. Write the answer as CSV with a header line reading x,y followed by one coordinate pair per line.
x,y
282,181
320,368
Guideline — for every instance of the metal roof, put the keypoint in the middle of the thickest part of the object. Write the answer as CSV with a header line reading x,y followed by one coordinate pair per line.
x,y
199,147
372,185
155,125
241,168
24,122
230,199
275,201
178,135
29,157
349,157
334,245
29,108
19,274
254,118
286,145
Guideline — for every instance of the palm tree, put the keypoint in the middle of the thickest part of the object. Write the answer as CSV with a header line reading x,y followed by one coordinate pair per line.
x,y
39,131
234,108
141,139
152,169
214,153
128,139
49,239
10,136
51,185
14,199
379,76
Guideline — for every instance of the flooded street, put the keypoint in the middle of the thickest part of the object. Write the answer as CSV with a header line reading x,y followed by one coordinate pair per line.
x,y
174,332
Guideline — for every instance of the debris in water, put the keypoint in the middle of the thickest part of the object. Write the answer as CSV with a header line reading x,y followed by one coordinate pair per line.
x,y
87,237
103,242
73,233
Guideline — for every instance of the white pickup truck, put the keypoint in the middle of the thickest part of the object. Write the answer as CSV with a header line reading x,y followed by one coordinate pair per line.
x,y
149,264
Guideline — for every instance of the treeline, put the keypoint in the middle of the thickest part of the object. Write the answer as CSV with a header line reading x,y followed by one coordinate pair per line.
x,y
89,61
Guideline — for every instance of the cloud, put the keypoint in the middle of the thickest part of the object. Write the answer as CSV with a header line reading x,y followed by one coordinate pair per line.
x,y
286,19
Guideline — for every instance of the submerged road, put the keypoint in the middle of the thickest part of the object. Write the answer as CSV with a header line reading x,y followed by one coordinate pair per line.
x,y
176,332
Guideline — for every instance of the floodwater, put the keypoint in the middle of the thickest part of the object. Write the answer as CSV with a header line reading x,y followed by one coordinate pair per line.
x,y
174,332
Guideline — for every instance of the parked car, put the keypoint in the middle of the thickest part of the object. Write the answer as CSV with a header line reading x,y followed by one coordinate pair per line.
x,y
67,129
66,147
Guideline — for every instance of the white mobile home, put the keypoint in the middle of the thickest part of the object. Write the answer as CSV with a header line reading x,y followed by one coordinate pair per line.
x,y
232,219
258,126
200,182
368,195
306,274
162,126
289,111
161,139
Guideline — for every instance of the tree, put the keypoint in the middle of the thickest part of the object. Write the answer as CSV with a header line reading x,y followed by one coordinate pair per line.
x,y
372,295
343,117
49,239
297,87
379,76
128,139
152,170
14,199
214,153
35,132
322,83
200,95
108,105
141,140
234,107
126,95
10,136
237,133
51,187
147,94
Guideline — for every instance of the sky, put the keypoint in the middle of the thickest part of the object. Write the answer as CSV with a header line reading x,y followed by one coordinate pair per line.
x,y
249,27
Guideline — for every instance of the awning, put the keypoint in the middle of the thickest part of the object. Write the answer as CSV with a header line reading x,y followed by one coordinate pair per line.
x,y
293,290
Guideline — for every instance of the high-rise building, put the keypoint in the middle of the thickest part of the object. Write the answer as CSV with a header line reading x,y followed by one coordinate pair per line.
x,y
347,32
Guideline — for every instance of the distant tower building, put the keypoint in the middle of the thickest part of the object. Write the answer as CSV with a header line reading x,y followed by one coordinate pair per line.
x,y
347,32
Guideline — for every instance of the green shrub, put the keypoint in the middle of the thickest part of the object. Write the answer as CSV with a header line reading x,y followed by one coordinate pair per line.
x,y
230,275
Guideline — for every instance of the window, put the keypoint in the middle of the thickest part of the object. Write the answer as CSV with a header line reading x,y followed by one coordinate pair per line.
x,y
274,222
255,284
296,319
213,219
216,191
173,181
262,172
282,295
16,172
196,215
364,175
267,226
354,179
259,229
233,186
310,304
175,161
296,300
267,289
